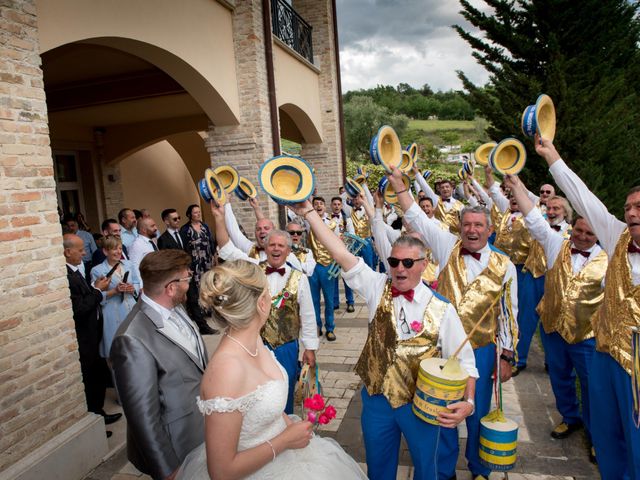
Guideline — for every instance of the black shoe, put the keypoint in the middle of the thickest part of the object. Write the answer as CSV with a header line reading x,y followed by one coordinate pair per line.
x,y
336,307
515,371
563,430
331,336
109,433
109,419
319,331
207,330
350,308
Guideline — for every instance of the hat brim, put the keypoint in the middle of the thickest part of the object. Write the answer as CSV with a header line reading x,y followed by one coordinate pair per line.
x,y
360,179
228,177
245,189
353,188
413,151
508,157
540,118
287,179
482,153
387,191
210,188
385,149
406,165
363,170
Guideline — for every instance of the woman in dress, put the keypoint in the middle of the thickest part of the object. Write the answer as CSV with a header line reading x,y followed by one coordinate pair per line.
x,y
244,392
122,294
201,246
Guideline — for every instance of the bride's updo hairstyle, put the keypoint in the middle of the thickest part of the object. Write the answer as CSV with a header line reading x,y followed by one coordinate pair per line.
x,y
231,291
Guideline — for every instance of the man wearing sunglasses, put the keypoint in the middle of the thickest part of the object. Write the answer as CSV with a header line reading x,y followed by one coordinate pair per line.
x,y
296,231
407,322
475,276
171,238
158,360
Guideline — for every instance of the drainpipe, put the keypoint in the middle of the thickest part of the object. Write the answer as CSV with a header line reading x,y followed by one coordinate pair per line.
x,y
336,48
271,85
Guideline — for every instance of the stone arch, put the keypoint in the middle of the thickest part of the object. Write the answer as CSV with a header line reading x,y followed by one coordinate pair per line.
x,y
296,125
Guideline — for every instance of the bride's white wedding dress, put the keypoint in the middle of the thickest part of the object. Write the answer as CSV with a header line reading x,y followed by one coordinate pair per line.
x,y
322,459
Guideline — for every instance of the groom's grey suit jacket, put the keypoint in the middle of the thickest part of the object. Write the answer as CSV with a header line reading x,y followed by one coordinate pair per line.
x,y
158,382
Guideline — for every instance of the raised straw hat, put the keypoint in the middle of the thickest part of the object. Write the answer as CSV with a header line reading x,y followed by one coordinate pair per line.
x,y
508,157
245,189
353,187
540,118
287,179
483,151
210,188
386,189
385,148
228,177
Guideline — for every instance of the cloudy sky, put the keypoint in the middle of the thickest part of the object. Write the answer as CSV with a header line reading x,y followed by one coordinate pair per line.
x,y
411,41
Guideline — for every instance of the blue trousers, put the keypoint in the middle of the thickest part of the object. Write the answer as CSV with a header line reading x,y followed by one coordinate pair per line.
x,y
615,437
382,426
320,281
347,293
564,361
368,254
287,355
449,446
530,291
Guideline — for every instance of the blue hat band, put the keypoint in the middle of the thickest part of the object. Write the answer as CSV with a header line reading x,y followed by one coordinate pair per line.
x,y
205,193
241,194
530,121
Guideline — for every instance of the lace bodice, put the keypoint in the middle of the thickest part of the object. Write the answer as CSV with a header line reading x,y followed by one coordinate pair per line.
x,y
261,410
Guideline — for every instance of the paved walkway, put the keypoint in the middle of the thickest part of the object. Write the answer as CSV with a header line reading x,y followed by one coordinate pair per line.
x,y
528,400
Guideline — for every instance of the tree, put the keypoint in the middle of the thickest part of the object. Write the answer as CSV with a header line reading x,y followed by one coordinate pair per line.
x,y
585,56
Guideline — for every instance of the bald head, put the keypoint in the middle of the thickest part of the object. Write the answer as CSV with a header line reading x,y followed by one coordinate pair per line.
x,y
73,248
147,227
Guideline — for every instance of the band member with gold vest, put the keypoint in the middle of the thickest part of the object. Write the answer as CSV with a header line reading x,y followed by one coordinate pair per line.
x,y
615,435
291,316
446,208
320,280
362,227
407,322
262,228
476,278
345,225
573,295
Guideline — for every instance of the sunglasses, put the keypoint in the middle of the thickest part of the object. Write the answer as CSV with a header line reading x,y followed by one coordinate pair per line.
x,y
295,232
545,191
175,219
406,262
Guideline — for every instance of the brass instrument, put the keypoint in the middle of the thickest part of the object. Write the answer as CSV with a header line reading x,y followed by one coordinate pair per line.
x,y
354,244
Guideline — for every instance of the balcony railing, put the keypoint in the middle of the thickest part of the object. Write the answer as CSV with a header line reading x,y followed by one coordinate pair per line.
x,y
291,28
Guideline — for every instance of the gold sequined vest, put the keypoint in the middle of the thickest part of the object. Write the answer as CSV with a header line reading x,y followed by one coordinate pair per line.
x,y
320,253
536,262
388,365
570,303
514,239
473,299
254,252
283,324
620,309
361,225
496,215
429,274
451,217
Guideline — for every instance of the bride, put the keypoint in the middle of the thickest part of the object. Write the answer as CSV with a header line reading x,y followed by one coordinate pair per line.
x,y
244,392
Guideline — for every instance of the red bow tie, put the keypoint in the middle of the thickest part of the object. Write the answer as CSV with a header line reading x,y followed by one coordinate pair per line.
x,y
556,227
407,294
446,199
271,270
464,251
632,248
335,215
575,251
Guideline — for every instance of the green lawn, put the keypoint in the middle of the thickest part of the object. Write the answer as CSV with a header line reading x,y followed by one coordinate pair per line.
x,y
436,125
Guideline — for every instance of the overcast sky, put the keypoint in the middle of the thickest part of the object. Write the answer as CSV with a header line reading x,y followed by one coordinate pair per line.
x,y
410,41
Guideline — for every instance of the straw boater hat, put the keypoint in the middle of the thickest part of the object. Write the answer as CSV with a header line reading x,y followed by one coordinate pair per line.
x,y
245,189
413,151
387,191
228,176
406,165
483,151
469,166
385,148
540,118
462,173
353,187
363,170
210,188
360,179
287,179
426,174
508,157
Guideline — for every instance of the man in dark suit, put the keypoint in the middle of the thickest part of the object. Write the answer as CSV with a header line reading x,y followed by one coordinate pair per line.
x,y
159,358
85,301
171,238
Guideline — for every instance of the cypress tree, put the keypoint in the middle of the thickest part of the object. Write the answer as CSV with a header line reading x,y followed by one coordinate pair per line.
x,y
585,56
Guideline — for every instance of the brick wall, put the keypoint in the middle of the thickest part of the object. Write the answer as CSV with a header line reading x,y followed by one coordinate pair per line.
x,y
40,384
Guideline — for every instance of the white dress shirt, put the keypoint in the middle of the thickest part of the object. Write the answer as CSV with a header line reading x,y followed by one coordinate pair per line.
x,y
175,233
184,333
606,227
308,327
552,242
348,223
486,199
128,236
424,186
370,285
442,243
140,248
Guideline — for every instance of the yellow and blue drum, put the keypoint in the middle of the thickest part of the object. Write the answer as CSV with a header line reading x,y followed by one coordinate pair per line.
x,y
440,382
498,440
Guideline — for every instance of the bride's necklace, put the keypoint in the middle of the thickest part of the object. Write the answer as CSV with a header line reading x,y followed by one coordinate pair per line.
x,y
240,343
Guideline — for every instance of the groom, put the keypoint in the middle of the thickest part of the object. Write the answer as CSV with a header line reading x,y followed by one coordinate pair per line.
x,y
158,359
407,322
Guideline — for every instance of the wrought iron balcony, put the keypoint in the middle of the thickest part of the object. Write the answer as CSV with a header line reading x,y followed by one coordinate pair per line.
x,y
291,28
